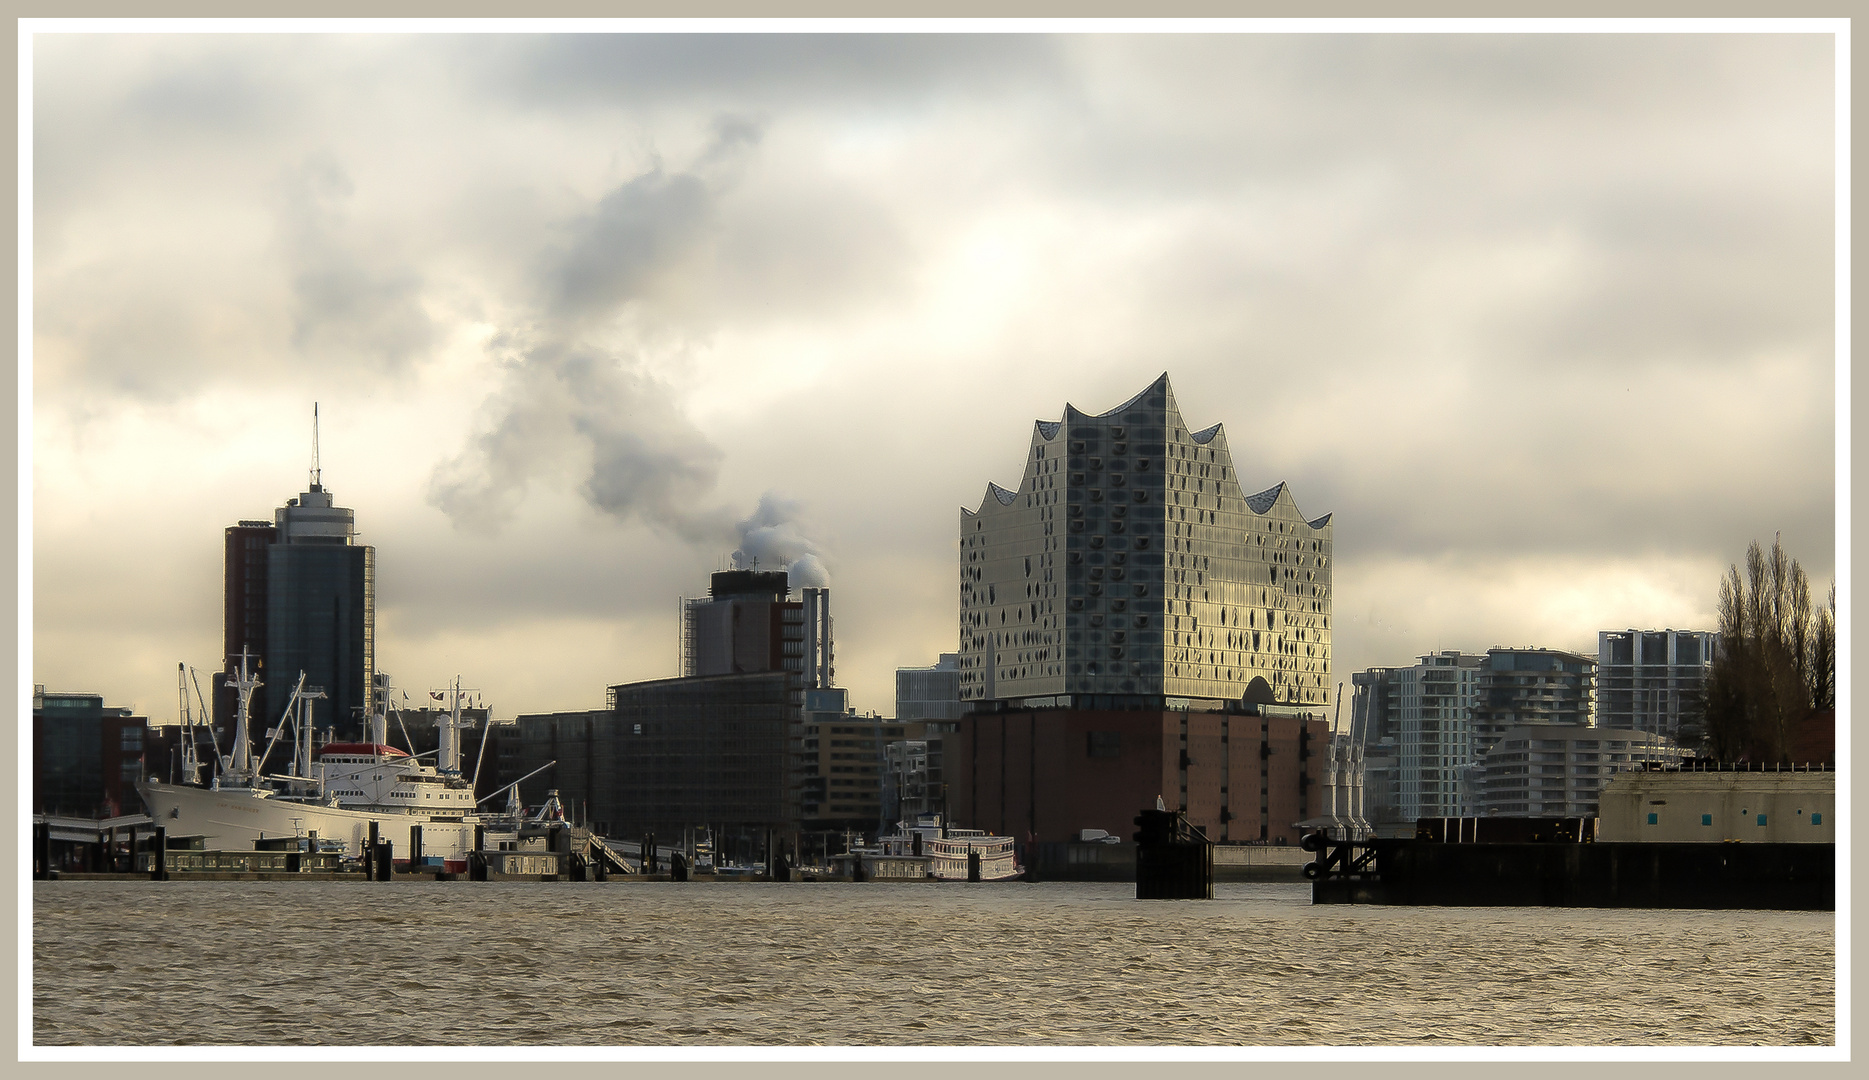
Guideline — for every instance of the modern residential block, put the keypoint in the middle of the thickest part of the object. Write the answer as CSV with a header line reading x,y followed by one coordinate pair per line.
x,y
1531,686
1654,680
1558,770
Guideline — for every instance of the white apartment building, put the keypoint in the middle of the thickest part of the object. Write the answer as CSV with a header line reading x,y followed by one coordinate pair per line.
x,y
1557,770
1431,713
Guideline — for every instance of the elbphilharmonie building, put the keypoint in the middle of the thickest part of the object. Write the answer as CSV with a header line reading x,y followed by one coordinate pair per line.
x,y
1129,568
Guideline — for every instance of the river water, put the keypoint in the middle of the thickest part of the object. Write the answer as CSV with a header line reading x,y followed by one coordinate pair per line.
x,y
348,964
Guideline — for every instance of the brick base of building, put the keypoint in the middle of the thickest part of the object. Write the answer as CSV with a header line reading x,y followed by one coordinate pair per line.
x,y
1044,775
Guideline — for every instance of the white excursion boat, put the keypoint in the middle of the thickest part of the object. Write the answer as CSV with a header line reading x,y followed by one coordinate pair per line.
x,y
334,791
931,850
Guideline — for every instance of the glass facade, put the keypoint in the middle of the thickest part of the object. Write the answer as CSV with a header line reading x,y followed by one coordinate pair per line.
x,y
300,595
1130,561
318,620
930,693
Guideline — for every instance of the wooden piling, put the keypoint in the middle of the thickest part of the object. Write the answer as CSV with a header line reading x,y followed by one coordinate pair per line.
x,y
1174,860
42,851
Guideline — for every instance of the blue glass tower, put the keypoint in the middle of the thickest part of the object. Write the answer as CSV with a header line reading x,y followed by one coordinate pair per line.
x,y
301,596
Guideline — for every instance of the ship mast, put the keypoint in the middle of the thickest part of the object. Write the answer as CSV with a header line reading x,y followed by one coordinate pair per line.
x,y
191,765
303,722
449,729
240,768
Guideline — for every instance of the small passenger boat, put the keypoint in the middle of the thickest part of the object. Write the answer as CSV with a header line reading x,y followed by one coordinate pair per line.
x,y
932,850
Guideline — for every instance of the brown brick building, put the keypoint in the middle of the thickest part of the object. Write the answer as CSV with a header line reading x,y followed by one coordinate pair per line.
x,y
1046,774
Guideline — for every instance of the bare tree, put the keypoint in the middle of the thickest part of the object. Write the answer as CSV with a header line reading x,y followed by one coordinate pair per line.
x,y
1777,658
1824,655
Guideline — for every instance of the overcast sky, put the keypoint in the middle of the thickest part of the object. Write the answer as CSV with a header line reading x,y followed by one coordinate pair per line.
x,y
1545,322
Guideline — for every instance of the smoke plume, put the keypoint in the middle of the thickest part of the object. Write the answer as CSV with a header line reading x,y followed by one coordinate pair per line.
x,y
575,389
770,539
646,460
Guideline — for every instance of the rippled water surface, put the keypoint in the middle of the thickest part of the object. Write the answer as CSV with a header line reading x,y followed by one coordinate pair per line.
x,y
458,963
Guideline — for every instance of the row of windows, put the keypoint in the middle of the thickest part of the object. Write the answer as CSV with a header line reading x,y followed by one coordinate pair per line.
x,y
1707,819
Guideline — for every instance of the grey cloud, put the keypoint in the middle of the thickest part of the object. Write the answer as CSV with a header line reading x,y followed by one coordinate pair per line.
x,y
121,98
636,232
349,304
648,230
566,395
807,247
632,70
1476,518
733,133
1390,263
220,91
1472,129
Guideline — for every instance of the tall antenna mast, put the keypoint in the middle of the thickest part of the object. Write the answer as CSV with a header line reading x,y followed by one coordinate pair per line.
x,y
315,470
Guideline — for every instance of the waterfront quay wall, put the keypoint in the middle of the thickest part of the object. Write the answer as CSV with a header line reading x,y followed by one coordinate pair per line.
x,y
1117,862
1628,875
1715,805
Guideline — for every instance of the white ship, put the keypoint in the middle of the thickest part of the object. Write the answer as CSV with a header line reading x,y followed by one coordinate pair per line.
x,y
930,850
334,791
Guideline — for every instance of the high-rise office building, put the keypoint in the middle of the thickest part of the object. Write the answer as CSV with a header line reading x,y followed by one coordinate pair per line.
x,y
87,756
300,594
928,702
1130,563
664,757
748,622
1654,680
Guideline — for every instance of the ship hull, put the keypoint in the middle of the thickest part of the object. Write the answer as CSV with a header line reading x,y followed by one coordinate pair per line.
x,y
234,819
